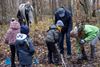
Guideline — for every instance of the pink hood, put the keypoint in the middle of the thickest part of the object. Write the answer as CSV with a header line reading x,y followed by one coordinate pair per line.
x,y
14,25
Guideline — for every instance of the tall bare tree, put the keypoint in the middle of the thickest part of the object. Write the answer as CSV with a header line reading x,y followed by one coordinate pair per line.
x,y
34,12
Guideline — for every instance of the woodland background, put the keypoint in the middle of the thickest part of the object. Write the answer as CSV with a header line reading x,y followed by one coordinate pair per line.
x,y
44,10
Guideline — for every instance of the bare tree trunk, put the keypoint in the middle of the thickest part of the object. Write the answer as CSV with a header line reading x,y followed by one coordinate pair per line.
x,y
34,7
3,10
85,4
98,4
94,8
69,5
41,7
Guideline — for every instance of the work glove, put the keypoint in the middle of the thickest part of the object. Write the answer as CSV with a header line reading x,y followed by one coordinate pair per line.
x,y
82,41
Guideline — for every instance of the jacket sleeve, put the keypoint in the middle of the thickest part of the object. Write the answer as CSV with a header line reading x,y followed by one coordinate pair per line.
x,y
90,37
31,47
56,18
18,14
7,37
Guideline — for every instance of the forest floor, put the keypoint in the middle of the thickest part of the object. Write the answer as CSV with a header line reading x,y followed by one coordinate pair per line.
x,y
38,33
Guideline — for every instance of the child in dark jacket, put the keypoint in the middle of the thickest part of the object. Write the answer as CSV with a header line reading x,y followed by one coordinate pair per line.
x,y
51,39
24,47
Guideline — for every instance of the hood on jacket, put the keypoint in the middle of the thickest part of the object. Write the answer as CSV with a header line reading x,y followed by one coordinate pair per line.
x,y
20,38
14,25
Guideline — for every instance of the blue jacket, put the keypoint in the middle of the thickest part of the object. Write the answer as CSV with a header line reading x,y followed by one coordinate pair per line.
x,y
25,49
67,20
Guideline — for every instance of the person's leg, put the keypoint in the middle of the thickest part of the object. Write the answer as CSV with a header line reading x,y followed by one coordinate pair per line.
x,y
56,55
68,43
84,56
61,43
92,45
12,48
49,52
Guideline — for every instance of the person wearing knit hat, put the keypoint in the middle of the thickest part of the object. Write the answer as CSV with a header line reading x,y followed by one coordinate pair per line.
x,y
51,39
24,47
66,17
59,23
24,29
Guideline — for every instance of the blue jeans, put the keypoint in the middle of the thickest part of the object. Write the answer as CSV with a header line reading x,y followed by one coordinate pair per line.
x,y
68,43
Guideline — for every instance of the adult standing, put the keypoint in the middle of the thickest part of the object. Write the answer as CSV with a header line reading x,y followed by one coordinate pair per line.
x,y
65,16
25,13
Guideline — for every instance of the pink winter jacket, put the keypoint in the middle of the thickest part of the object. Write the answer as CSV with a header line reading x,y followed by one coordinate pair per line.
x,y
13,30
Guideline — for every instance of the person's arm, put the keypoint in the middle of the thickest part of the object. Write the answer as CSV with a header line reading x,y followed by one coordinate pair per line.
x,y
90,37
70,23
7,36
56,19
31,47
18,14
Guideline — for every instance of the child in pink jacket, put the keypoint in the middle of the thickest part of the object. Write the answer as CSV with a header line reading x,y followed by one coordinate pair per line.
x,y
10,38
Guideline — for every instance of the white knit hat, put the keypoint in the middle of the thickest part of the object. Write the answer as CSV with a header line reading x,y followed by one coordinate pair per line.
x,y
59,23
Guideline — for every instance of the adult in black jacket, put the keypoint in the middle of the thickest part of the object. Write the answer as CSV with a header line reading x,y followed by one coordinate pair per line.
x,y
66,17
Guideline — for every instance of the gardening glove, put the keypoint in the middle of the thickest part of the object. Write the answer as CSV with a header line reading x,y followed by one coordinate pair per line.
x,y
82,41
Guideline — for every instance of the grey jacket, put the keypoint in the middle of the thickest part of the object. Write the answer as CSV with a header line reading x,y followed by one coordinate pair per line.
x,y
52,35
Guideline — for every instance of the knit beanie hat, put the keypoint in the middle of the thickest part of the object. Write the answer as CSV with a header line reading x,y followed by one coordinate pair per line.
x,y
24,29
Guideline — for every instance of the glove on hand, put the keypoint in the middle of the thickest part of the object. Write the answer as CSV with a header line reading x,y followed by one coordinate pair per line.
x,y
82,41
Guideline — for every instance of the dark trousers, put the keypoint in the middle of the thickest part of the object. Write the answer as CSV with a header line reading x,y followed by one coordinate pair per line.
x,y
53,56
12,48
68,43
